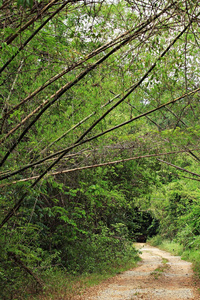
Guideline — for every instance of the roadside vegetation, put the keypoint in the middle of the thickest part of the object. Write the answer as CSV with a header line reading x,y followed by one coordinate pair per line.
x,y
190,253
179,226
61,284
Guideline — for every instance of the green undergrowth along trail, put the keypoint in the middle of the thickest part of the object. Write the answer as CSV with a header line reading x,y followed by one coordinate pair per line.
x,y
59,283
190,253
78,284
100,255
176,204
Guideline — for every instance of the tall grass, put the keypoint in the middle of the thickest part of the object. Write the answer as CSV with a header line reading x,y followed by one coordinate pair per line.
x,y
190,253
60,285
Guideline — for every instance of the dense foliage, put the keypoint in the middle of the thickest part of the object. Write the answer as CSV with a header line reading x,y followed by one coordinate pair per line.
x,y
99,128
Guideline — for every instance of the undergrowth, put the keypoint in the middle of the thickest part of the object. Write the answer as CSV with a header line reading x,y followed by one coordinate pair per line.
x,y
187,252
61,285
77,264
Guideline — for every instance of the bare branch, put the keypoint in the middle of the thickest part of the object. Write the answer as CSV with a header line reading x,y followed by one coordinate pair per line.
x,y
12,37
66,87
94,166
34,33
177,167
66,150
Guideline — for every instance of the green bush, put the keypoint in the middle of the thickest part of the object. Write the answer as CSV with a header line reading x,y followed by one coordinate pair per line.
x,y
156,240
98,250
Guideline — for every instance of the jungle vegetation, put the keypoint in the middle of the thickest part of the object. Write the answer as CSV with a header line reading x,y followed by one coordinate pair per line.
x,y
99,135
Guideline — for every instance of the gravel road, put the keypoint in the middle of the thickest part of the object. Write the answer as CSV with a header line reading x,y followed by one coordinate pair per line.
x,y
159,275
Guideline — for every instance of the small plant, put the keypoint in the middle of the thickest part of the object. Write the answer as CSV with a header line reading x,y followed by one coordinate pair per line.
x,y
159,271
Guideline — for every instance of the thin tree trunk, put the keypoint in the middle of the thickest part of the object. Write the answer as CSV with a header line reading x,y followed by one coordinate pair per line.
x,y
25,268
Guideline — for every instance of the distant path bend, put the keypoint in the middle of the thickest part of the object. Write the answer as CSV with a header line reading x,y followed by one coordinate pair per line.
x,y
159,275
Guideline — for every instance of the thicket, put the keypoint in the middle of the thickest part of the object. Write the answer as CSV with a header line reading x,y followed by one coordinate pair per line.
x,y
81,224
179,215
99,131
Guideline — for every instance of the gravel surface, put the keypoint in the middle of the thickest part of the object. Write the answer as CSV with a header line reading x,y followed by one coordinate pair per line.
x,y
159,275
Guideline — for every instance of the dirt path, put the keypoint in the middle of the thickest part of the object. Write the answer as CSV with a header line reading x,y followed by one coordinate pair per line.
x,y
159,275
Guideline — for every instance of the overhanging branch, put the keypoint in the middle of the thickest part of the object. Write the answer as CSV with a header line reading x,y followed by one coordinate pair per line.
x,y
66,150
177,167
96,166
69,85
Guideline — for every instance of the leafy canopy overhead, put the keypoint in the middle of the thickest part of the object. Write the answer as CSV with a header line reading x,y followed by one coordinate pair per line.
x,y
86,83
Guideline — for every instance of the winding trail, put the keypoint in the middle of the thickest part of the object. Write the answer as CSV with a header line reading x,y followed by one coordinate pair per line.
x,y
159,275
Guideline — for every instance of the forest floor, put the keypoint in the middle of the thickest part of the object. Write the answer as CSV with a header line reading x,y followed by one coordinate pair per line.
x,y
159,275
